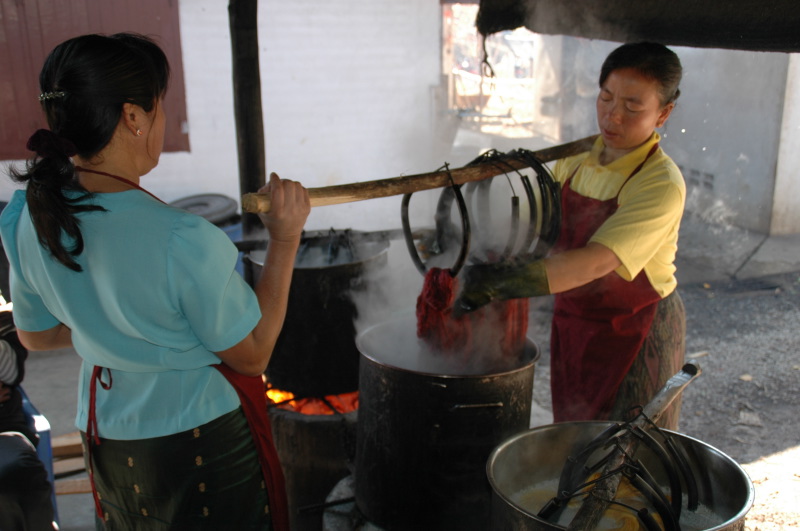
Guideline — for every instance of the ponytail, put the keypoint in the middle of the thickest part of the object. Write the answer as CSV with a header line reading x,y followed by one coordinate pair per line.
x,y
49,175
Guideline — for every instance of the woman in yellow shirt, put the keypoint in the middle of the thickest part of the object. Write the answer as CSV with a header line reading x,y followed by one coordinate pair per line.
x,y
618,328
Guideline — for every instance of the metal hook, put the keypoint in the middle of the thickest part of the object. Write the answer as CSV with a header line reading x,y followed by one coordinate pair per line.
x,y
445,202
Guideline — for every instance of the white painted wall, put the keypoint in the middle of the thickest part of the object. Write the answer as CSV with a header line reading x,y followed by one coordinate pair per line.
x,y
346,95
786,203
725,134
349,94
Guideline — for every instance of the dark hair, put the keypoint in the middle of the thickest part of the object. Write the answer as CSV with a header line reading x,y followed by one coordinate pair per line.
x,y
652,60
84,82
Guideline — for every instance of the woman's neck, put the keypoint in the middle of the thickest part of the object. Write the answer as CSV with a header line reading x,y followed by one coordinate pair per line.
x,y
609,155
97,182
105,187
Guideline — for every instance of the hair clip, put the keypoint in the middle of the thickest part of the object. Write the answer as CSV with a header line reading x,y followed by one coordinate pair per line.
x,y
44,96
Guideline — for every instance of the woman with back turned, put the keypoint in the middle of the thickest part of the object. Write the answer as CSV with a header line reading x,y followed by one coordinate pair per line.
x,y
173,341
619,325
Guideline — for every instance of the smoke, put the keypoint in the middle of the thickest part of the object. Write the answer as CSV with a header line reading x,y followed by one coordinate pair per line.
x,y
390,289
386,325
395,343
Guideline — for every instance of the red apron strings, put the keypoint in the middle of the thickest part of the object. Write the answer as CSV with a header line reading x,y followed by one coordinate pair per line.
x,y
254,404
92,437
120,179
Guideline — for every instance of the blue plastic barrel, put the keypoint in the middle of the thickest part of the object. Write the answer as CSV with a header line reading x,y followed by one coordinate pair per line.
x,y
45,447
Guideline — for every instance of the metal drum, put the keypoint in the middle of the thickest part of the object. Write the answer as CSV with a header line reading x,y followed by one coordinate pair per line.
x,y
423,437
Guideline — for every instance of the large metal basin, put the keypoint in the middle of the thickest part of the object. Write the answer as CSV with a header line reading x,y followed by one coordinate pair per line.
x,y
532,459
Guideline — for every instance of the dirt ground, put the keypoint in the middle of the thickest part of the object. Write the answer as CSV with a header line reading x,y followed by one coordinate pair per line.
x,y
744,335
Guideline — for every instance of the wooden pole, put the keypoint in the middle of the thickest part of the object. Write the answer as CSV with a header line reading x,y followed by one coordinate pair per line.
x,y
348,193
243,21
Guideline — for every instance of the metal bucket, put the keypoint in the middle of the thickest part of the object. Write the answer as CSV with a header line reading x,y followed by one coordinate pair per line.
x,y
423,437
524,470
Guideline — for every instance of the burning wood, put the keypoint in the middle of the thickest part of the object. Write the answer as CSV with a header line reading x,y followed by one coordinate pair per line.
x,y
327,405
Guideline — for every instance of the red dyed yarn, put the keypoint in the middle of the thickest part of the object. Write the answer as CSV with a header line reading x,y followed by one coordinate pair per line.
x,y
499,325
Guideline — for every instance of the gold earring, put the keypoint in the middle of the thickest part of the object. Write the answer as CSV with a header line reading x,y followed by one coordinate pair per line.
x,y
138,132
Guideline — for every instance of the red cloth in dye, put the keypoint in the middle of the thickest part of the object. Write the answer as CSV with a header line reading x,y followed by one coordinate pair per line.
x,y
498,328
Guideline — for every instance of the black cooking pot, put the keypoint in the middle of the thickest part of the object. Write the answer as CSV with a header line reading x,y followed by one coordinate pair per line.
x,y
423,437
316,354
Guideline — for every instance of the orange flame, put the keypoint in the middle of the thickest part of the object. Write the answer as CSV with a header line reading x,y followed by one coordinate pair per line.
x,y
278,396
341,403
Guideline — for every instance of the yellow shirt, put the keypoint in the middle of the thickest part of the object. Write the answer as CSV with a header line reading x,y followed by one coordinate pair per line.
x,y
643,232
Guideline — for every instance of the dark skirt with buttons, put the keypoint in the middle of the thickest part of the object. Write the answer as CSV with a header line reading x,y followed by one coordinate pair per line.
x,y
205,478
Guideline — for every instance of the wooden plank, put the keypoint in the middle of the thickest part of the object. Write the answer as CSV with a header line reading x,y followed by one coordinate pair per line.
x,y
73,486
30,29
68,445
68,466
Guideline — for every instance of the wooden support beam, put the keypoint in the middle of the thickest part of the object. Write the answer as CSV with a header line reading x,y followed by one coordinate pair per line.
x,y
243,23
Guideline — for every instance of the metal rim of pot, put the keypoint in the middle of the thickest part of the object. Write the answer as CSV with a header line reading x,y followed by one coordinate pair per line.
x,y
378,247
530,357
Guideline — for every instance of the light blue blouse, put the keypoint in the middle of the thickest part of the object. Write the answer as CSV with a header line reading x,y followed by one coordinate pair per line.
x,y
157,297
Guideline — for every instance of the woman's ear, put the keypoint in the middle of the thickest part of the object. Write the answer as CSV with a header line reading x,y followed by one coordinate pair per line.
x,y
664,114
133,118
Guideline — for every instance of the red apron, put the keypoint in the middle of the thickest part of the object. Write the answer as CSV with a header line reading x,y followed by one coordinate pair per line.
x,y
599,328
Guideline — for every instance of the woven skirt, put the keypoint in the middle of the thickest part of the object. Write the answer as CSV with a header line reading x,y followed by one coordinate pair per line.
x,y
661,356
207,478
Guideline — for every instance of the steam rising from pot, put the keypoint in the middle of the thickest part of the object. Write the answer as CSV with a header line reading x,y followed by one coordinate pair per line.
x,y
390,300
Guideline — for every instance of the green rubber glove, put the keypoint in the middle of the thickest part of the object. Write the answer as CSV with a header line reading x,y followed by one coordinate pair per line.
x,y
484,283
